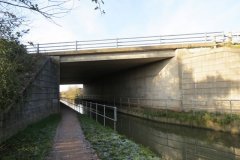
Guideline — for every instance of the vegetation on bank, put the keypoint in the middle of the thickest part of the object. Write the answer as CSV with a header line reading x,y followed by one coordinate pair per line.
x,y
201,118
16,67
110,145
34,142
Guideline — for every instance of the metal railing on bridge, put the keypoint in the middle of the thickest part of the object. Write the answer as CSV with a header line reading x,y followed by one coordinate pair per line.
x,y
135,42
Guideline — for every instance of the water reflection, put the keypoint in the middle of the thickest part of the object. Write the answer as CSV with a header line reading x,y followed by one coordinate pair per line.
x,y
175,142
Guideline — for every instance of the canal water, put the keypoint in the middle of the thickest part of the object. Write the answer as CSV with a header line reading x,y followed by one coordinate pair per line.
x,y
175,142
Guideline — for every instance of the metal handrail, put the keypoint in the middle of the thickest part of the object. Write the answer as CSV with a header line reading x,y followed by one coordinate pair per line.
x,y
92,108
168,104
134,41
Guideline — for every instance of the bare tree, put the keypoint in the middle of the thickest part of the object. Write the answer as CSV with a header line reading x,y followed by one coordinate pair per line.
x,y
11,17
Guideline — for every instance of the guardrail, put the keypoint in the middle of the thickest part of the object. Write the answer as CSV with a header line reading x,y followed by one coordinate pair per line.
x,y
230,106
134,42
87,107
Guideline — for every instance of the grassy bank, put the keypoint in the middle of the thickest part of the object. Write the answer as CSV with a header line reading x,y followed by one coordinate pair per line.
x,y
216,121
112,146
32,143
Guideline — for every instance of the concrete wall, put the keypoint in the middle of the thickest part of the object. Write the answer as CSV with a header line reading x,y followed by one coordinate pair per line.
x,y
40,99
158,80
202,78
211,78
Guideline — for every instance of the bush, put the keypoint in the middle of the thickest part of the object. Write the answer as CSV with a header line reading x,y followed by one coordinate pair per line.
x,y
14,63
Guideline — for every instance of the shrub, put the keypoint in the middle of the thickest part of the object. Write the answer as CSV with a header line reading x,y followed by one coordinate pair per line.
x,y
14,63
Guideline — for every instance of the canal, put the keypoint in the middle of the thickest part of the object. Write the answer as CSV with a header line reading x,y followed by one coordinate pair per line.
x,y
175,142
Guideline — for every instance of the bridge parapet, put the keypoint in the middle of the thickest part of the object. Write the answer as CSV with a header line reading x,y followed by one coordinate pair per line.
x,y
208,37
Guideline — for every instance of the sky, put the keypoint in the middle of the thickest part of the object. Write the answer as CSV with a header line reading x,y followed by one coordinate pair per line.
x,y
134,18
131,18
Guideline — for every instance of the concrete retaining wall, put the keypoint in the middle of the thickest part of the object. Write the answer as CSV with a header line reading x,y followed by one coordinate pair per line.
x,y
40,99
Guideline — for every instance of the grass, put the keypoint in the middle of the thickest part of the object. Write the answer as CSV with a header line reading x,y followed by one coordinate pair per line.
x,y
112,146
198,117
33,143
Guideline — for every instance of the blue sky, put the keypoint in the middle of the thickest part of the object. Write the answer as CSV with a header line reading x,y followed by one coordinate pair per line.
x,y
130,18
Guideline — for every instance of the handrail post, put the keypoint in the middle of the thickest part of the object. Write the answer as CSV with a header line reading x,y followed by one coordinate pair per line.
x,y
231,107
114,101
138,102
205,36
96,113
38,50
76,45
90,109
115,117
120,100
117,43
128,104
229,37
104,114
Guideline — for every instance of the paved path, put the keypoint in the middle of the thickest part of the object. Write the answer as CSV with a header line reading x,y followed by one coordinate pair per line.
x,y
70,143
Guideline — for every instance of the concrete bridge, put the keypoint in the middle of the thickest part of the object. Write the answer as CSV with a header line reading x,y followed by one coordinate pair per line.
x,y
86,65
185,71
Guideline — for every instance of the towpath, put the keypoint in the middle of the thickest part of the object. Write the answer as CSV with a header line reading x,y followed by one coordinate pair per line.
x,y
69,142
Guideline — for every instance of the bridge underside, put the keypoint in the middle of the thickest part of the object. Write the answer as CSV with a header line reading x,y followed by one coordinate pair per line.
x,y
176,77
87,71
87,66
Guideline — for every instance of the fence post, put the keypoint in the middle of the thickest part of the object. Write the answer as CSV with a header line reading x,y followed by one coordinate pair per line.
x,y
38,50
194,106
229,37
166,109
231,107
90,109
128,104
96,113
115,117
205,36
104,114
117,43
114,101
76,45
120,102
138,102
